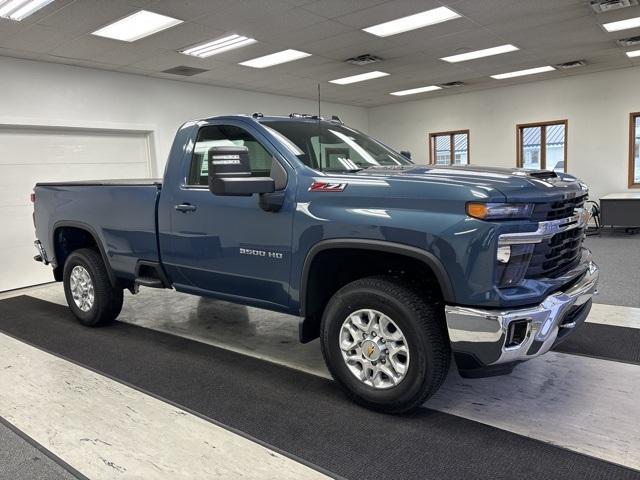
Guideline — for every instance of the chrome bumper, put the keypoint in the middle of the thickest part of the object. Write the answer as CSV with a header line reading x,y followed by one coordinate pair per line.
x,y
479,337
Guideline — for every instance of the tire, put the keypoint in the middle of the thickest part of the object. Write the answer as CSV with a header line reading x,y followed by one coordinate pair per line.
x,y
107,300
421,323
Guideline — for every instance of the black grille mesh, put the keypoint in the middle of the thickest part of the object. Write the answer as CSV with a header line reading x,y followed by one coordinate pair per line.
x,y
556,210
555,256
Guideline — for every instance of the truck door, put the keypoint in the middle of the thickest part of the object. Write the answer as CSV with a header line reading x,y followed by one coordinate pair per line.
x,y
228,246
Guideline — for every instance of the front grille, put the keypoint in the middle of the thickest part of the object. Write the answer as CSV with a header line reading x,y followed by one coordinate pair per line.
x,y
559,254
555,256
556,210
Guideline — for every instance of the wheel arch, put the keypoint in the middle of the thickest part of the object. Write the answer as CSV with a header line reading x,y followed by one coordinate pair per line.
x,y
427,262
60,233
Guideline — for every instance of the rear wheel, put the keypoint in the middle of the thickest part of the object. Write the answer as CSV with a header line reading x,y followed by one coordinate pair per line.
x,y
385,344
90,295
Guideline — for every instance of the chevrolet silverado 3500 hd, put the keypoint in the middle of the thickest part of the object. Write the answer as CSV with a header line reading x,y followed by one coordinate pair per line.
x,y
393,265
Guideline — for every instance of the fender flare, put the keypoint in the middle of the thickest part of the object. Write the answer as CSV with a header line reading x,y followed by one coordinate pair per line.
x,y
90,230
428,258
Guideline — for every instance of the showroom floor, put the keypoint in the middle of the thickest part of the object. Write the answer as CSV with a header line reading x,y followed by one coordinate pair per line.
x,y
164,400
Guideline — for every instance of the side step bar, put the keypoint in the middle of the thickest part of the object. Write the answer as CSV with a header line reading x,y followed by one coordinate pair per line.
x,y
149,282
149,274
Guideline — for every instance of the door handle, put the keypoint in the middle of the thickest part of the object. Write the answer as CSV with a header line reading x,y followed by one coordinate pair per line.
x,y
186,208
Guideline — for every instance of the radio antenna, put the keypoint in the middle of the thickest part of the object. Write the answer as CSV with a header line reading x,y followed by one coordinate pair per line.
x,y
319,127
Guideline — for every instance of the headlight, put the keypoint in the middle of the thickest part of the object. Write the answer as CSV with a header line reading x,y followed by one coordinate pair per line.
x,y
499,211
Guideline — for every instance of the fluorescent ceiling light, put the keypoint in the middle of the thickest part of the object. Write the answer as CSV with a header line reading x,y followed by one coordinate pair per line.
x,y
487,52
622,24
430,88
521,73
20,9
358,78
412,22
137,26
633,54
220,45
275,59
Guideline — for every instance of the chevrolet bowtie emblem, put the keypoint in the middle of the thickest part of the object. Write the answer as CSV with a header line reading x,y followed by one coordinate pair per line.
x,y
370,350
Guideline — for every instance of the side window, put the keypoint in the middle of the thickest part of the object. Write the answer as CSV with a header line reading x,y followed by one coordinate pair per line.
x,y
221,135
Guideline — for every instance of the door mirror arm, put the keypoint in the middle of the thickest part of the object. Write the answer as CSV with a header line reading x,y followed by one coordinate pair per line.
x,y
272,202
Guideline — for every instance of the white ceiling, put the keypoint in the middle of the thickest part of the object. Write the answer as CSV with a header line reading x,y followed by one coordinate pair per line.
x,y
547,32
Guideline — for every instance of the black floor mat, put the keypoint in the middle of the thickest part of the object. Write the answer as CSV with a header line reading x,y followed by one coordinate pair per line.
x,y
296,412
604,341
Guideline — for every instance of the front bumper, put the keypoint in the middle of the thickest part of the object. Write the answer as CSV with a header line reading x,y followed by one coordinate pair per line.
x,y
483,340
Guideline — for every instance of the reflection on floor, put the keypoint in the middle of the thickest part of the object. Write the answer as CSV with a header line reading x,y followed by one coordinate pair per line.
x,y
618,255
579,403
103,428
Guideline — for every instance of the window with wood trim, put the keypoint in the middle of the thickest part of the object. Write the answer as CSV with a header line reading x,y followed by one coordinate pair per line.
x,y
543,145
449,148
634,150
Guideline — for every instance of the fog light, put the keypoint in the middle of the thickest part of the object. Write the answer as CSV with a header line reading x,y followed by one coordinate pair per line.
x,y
512,262
504,253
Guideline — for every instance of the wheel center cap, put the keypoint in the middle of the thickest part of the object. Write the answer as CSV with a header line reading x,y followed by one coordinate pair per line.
x,y
370,350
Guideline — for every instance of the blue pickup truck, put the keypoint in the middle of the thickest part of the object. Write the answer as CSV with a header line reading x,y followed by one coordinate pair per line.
x,y
395,266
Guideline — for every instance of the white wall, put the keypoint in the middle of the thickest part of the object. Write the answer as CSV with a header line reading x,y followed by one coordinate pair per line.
x,y
597,106
37,93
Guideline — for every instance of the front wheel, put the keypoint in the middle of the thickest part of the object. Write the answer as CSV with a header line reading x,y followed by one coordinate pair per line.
x,y
90,295
385,344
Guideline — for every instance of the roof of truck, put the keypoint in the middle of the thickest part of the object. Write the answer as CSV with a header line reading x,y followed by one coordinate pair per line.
x,y
292,117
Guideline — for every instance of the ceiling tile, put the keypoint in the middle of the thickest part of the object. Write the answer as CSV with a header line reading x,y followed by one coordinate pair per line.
x,y
298,37
85,47
37,38
9,28
9,52
537,12
126,55
336,8
167,60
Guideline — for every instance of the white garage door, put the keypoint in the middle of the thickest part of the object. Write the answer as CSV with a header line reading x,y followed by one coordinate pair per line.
x,y
34,155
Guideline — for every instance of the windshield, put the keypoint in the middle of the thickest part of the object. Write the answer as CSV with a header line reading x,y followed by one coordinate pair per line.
x,y
333,147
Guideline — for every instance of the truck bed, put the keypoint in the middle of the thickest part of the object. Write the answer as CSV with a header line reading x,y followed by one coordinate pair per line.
x,y
134,182
120,214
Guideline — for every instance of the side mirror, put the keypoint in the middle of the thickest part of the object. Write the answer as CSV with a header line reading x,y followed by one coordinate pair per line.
x,y
230,173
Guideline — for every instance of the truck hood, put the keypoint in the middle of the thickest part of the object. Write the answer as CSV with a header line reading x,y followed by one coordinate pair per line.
x,y
516,184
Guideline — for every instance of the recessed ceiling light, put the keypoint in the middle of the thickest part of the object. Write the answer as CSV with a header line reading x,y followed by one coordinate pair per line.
x,y
137,26
430,88
275,59
521,73
622,24
487,52
412,22
20,9
220,45
358,78
633,54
